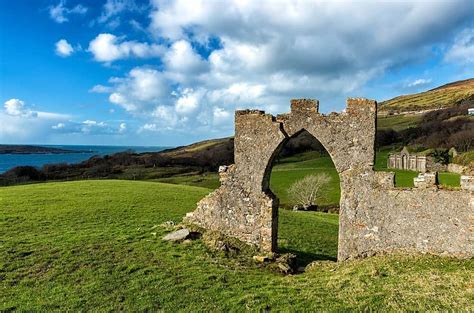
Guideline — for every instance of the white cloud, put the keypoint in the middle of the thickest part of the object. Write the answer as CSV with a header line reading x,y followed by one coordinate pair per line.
x,y
108,48
140,91
59,13
149,127
88,127
462,51
218,56
16,107
101,89
113,8
419,83
165,117
188,102
19,123
59,126
63,48
93,127
137,26
122,128
221,116
183,62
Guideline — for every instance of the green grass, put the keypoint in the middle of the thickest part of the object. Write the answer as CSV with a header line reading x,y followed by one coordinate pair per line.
x,y
295,168
404,178
95,246
398,122
449,179
309,235
206,180
290,169
431,99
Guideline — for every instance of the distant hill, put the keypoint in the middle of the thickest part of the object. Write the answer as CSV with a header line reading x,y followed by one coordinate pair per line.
x,y
25,149
444,96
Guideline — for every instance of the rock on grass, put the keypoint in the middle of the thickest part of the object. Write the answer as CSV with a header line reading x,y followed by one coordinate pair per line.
x,y
177,235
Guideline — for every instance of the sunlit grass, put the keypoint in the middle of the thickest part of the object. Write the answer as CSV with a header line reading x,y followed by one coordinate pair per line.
x,y
95,246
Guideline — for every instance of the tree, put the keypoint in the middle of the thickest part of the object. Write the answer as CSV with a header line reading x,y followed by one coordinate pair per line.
x,y
305,192
463,140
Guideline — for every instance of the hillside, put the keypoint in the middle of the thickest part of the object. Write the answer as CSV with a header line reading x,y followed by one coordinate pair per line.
x,y
96,246
444,96
26,149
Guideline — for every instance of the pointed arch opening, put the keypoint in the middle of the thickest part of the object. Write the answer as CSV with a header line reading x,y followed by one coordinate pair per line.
x,y
308,230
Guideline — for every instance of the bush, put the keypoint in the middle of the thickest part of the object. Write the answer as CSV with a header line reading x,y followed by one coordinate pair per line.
x,y
305,192
466,159
22,174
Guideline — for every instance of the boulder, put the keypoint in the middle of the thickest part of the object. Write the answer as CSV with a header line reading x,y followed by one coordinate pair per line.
x,y
177,235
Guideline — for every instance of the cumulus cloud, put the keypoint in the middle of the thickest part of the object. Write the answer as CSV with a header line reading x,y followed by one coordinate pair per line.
x,y
188,101
19,122
462,51
59,13
297,55
217,56
141,91
16,107
63,48
182,62
221,115
108,48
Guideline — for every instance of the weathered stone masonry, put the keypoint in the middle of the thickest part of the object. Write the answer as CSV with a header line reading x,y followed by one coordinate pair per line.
x,y
374,215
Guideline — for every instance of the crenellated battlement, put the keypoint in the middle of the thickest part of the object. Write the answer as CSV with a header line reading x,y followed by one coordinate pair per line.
x,y
304,106
358,105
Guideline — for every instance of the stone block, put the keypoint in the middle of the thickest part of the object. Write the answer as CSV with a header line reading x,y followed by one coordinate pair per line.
x,y
467,183
304,106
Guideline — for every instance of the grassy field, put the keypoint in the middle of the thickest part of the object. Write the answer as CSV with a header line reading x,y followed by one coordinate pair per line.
x,y
398,122
288,170
95,245
295,168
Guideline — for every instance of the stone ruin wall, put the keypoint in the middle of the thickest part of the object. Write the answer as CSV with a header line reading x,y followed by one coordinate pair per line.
x,y
412,162
374,216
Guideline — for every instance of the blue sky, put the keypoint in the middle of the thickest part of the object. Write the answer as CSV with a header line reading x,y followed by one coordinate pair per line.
x,y
122,72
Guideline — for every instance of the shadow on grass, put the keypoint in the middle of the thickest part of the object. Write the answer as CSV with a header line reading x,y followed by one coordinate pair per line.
x,y
304,258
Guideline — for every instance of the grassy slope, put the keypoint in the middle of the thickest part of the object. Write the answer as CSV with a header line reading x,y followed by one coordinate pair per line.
x,y
443,96
294,168
94,245
398,122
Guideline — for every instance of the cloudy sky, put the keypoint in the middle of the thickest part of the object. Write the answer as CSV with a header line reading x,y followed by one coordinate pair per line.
x,y
123,72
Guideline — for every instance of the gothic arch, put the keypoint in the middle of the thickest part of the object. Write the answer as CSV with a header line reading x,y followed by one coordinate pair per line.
x,y
373,216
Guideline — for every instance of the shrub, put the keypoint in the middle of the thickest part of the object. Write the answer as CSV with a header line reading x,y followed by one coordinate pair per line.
x,y
466,159
305,192
24,174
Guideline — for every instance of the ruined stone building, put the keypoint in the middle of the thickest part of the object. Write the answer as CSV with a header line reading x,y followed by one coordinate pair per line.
x,y
374,215
406,160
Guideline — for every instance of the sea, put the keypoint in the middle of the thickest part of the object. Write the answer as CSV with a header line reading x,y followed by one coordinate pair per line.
x,y
7,161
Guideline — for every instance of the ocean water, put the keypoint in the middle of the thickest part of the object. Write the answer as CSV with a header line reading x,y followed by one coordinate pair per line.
x,y
7,161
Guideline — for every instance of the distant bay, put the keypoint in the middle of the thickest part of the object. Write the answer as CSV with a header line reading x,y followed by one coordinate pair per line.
x,y
7,161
